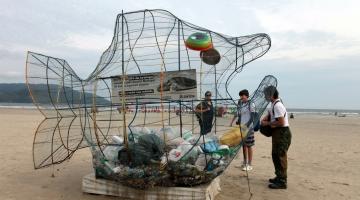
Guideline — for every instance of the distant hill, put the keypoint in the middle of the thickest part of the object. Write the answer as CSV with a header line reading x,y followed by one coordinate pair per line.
x,y
19,93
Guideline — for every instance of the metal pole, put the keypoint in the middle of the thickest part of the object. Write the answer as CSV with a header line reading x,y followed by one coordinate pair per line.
x,y
216,96
169,112
179,67
179,45
192,114
123,80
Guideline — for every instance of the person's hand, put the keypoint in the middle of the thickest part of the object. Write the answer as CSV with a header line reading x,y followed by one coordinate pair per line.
x,y
265,123
243,129
272,125
262,123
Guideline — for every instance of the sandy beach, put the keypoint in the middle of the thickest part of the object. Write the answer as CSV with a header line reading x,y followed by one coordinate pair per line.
x,y
324,163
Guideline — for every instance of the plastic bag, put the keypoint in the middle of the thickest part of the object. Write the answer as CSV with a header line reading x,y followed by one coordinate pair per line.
x,y
175,155
193,139
190,152
175,142
233,136
187,134
210,146
117,139
136,132
201,162
185,151
111,152
149,147
169,133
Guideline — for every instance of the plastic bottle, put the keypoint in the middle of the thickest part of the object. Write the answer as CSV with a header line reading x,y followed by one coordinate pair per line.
x,y
108,167
117,139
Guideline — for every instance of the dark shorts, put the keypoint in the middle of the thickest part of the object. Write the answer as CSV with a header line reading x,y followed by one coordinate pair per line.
x,y
250,139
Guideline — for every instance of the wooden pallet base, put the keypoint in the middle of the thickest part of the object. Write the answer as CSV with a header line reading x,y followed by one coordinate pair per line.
x,y
106,187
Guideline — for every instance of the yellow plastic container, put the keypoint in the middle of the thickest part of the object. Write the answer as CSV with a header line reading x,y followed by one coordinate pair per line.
x,y
233,136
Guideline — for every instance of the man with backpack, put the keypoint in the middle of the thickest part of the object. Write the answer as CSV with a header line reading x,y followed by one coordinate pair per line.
x,y
245,114
277,121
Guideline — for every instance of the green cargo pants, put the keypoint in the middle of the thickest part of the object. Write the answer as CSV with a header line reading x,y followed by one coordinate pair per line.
x,y
281,140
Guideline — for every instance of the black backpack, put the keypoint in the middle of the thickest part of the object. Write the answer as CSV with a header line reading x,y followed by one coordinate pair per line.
x,y
257,125
266,130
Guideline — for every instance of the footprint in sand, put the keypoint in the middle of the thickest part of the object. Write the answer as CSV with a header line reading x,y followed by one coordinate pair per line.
x,y
339,183
309,185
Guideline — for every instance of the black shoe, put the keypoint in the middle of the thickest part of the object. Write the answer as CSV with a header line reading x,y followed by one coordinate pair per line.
x,y
278,185
274,180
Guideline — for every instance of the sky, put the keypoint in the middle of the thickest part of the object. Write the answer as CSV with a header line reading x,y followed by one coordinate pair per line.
x,y
315,52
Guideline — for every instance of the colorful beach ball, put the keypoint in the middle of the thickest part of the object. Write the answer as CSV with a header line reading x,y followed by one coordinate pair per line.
x,y
198,42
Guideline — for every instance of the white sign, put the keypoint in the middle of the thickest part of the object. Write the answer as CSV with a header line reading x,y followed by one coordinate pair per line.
x,y
177,85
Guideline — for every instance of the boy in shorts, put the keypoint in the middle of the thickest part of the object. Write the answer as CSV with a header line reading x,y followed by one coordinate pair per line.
x,y
245,113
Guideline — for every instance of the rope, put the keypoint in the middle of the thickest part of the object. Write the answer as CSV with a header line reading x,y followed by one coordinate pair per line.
x,y
243,146
162,113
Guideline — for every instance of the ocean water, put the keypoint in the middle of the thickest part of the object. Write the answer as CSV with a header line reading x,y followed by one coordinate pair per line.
x,y
18,105
324,111
295,111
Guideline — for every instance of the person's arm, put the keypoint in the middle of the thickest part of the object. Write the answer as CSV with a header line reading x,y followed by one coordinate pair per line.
x,y
278,123
233,119
265,121
200,109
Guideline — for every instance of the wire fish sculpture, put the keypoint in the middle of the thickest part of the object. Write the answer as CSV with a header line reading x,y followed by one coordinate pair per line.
x,y
138,111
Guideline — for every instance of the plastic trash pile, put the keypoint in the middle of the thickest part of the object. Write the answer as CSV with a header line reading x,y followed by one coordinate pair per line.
x,y
165,157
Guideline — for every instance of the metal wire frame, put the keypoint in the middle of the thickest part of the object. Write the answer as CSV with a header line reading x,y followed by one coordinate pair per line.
x,y
82,114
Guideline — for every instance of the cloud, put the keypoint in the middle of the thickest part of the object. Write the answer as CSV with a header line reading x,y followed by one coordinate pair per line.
x,y
12,74
88,41
322,15
5,53
311,45
314,50
308,30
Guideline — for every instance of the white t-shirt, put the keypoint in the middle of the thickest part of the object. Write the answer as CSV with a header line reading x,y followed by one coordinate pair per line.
x,y
279,111
244,112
